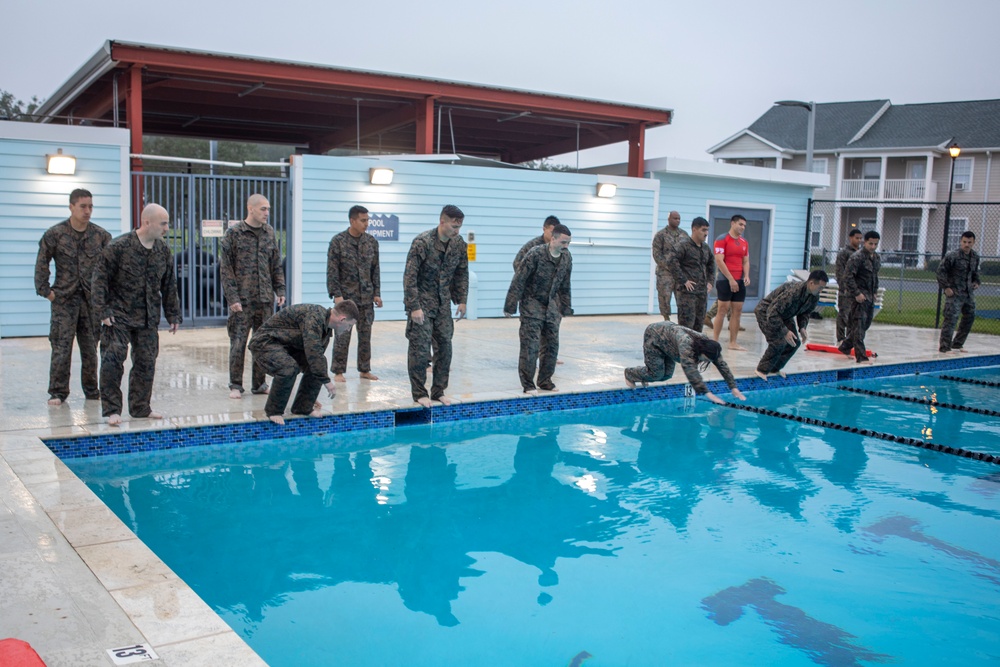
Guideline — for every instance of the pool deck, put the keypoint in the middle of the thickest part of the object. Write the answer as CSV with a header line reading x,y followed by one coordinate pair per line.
x,y
74,581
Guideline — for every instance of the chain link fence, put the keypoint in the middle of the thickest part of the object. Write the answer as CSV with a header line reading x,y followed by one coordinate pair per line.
x,y
912,238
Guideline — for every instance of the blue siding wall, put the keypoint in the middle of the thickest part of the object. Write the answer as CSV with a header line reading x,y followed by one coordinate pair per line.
x,y
31,201
504,208
690,195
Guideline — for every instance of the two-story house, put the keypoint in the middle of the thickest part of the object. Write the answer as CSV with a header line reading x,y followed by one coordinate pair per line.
x,y
889,169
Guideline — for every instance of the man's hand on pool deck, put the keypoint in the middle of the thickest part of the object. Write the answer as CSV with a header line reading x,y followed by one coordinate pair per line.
x,y
738,395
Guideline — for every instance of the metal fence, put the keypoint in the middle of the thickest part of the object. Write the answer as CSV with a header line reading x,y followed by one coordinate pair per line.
x,y
914,236
201,208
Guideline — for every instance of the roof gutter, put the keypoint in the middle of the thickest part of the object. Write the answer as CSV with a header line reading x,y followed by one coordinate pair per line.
x,y
98,65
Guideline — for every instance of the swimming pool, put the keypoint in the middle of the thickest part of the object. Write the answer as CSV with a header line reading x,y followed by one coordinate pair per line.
x,y
674,532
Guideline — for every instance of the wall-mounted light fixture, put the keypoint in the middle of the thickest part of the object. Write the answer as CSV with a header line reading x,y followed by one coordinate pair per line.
x,y
380,175
60,164
606,189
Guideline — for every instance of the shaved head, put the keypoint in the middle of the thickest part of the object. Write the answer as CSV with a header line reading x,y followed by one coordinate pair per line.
x,y
153,211
258,210
256,200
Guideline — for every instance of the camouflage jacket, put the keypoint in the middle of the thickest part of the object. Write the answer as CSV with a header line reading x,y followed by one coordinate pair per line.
x,y
787,308
959,271
436,273
352,269
526,248
131,281
675,342
76,254
842,257
664,242
541,285
303,330
689,261
861,274
252,271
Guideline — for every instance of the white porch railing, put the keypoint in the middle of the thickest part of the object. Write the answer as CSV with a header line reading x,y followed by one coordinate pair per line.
x,y
859,188
892,189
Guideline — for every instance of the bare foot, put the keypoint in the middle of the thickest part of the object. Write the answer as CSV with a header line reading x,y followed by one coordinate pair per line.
x,y
368,376
424,401
961,349
114,420
736,347
629,384
317,405
558,363
236,394
762,376
339,377
154,415
277,419
782,374
445,400
316,413
55,401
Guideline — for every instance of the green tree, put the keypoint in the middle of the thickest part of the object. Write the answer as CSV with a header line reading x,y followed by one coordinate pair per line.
x,y
545,164
227,151
12,108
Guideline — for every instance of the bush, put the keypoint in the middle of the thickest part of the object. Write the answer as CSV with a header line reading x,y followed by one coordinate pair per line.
x,y
816,261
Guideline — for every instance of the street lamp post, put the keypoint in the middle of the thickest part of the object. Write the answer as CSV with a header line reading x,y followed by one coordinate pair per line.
x,y
810,139
954,150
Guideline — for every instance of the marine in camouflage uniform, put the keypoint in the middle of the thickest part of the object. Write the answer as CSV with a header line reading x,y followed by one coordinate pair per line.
x,y
664,241
76,245
958,272
541,287
436,275
547,226
253,276
786,309
131,284
860,277
665,344
843,301
691,261
352,272
294,341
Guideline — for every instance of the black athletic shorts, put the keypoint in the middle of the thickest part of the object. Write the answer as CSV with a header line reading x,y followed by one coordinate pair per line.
x,y
726,294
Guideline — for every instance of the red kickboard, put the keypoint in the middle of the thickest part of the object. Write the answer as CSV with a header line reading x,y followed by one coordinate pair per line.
x,y
816,347
17,653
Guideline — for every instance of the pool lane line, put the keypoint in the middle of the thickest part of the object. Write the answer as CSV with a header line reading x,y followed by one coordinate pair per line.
x,y
921,401
914,442
981,383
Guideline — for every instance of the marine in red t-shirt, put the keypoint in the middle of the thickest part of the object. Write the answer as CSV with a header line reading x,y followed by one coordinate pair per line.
x,y
732,258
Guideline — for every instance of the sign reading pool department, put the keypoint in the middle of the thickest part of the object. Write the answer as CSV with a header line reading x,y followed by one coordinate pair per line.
x,y
384,226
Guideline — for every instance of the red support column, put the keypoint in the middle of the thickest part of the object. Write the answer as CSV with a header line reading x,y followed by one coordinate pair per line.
x,y
425,126
636,149
133,116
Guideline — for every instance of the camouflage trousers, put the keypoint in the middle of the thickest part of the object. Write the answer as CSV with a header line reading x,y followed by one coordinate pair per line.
x,y
691,308
284,367
664,290
115,342
436,331
963,304
858,321
342,343
539,347
778,351
239,326
71,317
843,315
657,366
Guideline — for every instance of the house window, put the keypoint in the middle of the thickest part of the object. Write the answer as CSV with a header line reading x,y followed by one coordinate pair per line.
x,y
866,225
871,169
819,165
910,234
963,174
955,229
746,163
816,233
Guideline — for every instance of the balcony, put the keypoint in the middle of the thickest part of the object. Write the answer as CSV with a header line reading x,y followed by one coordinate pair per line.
x,y
891,189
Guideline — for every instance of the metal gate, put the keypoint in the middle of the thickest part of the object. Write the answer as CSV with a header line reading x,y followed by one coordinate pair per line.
x,y
201,208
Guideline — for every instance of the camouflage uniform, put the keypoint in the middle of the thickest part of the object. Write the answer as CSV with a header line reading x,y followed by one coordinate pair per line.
x,y
843,301
860,277
436,275
526,248
541,285
130,283
352,272
785,309
252,276
665,344
75,254
294,341
689,261
664,242
959,271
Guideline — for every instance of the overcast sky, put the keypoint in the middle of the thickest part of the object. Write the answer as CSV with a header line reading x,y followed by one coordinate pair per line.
x,y
718,64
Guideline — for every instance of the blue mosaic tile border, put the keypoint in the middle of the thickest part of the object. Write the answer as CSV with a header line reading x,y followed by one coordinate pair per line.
x,y
222,434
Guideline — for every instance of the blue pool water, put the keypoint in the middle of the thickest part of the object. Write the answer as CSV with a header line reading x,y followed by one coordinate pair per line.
x,y
667,533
